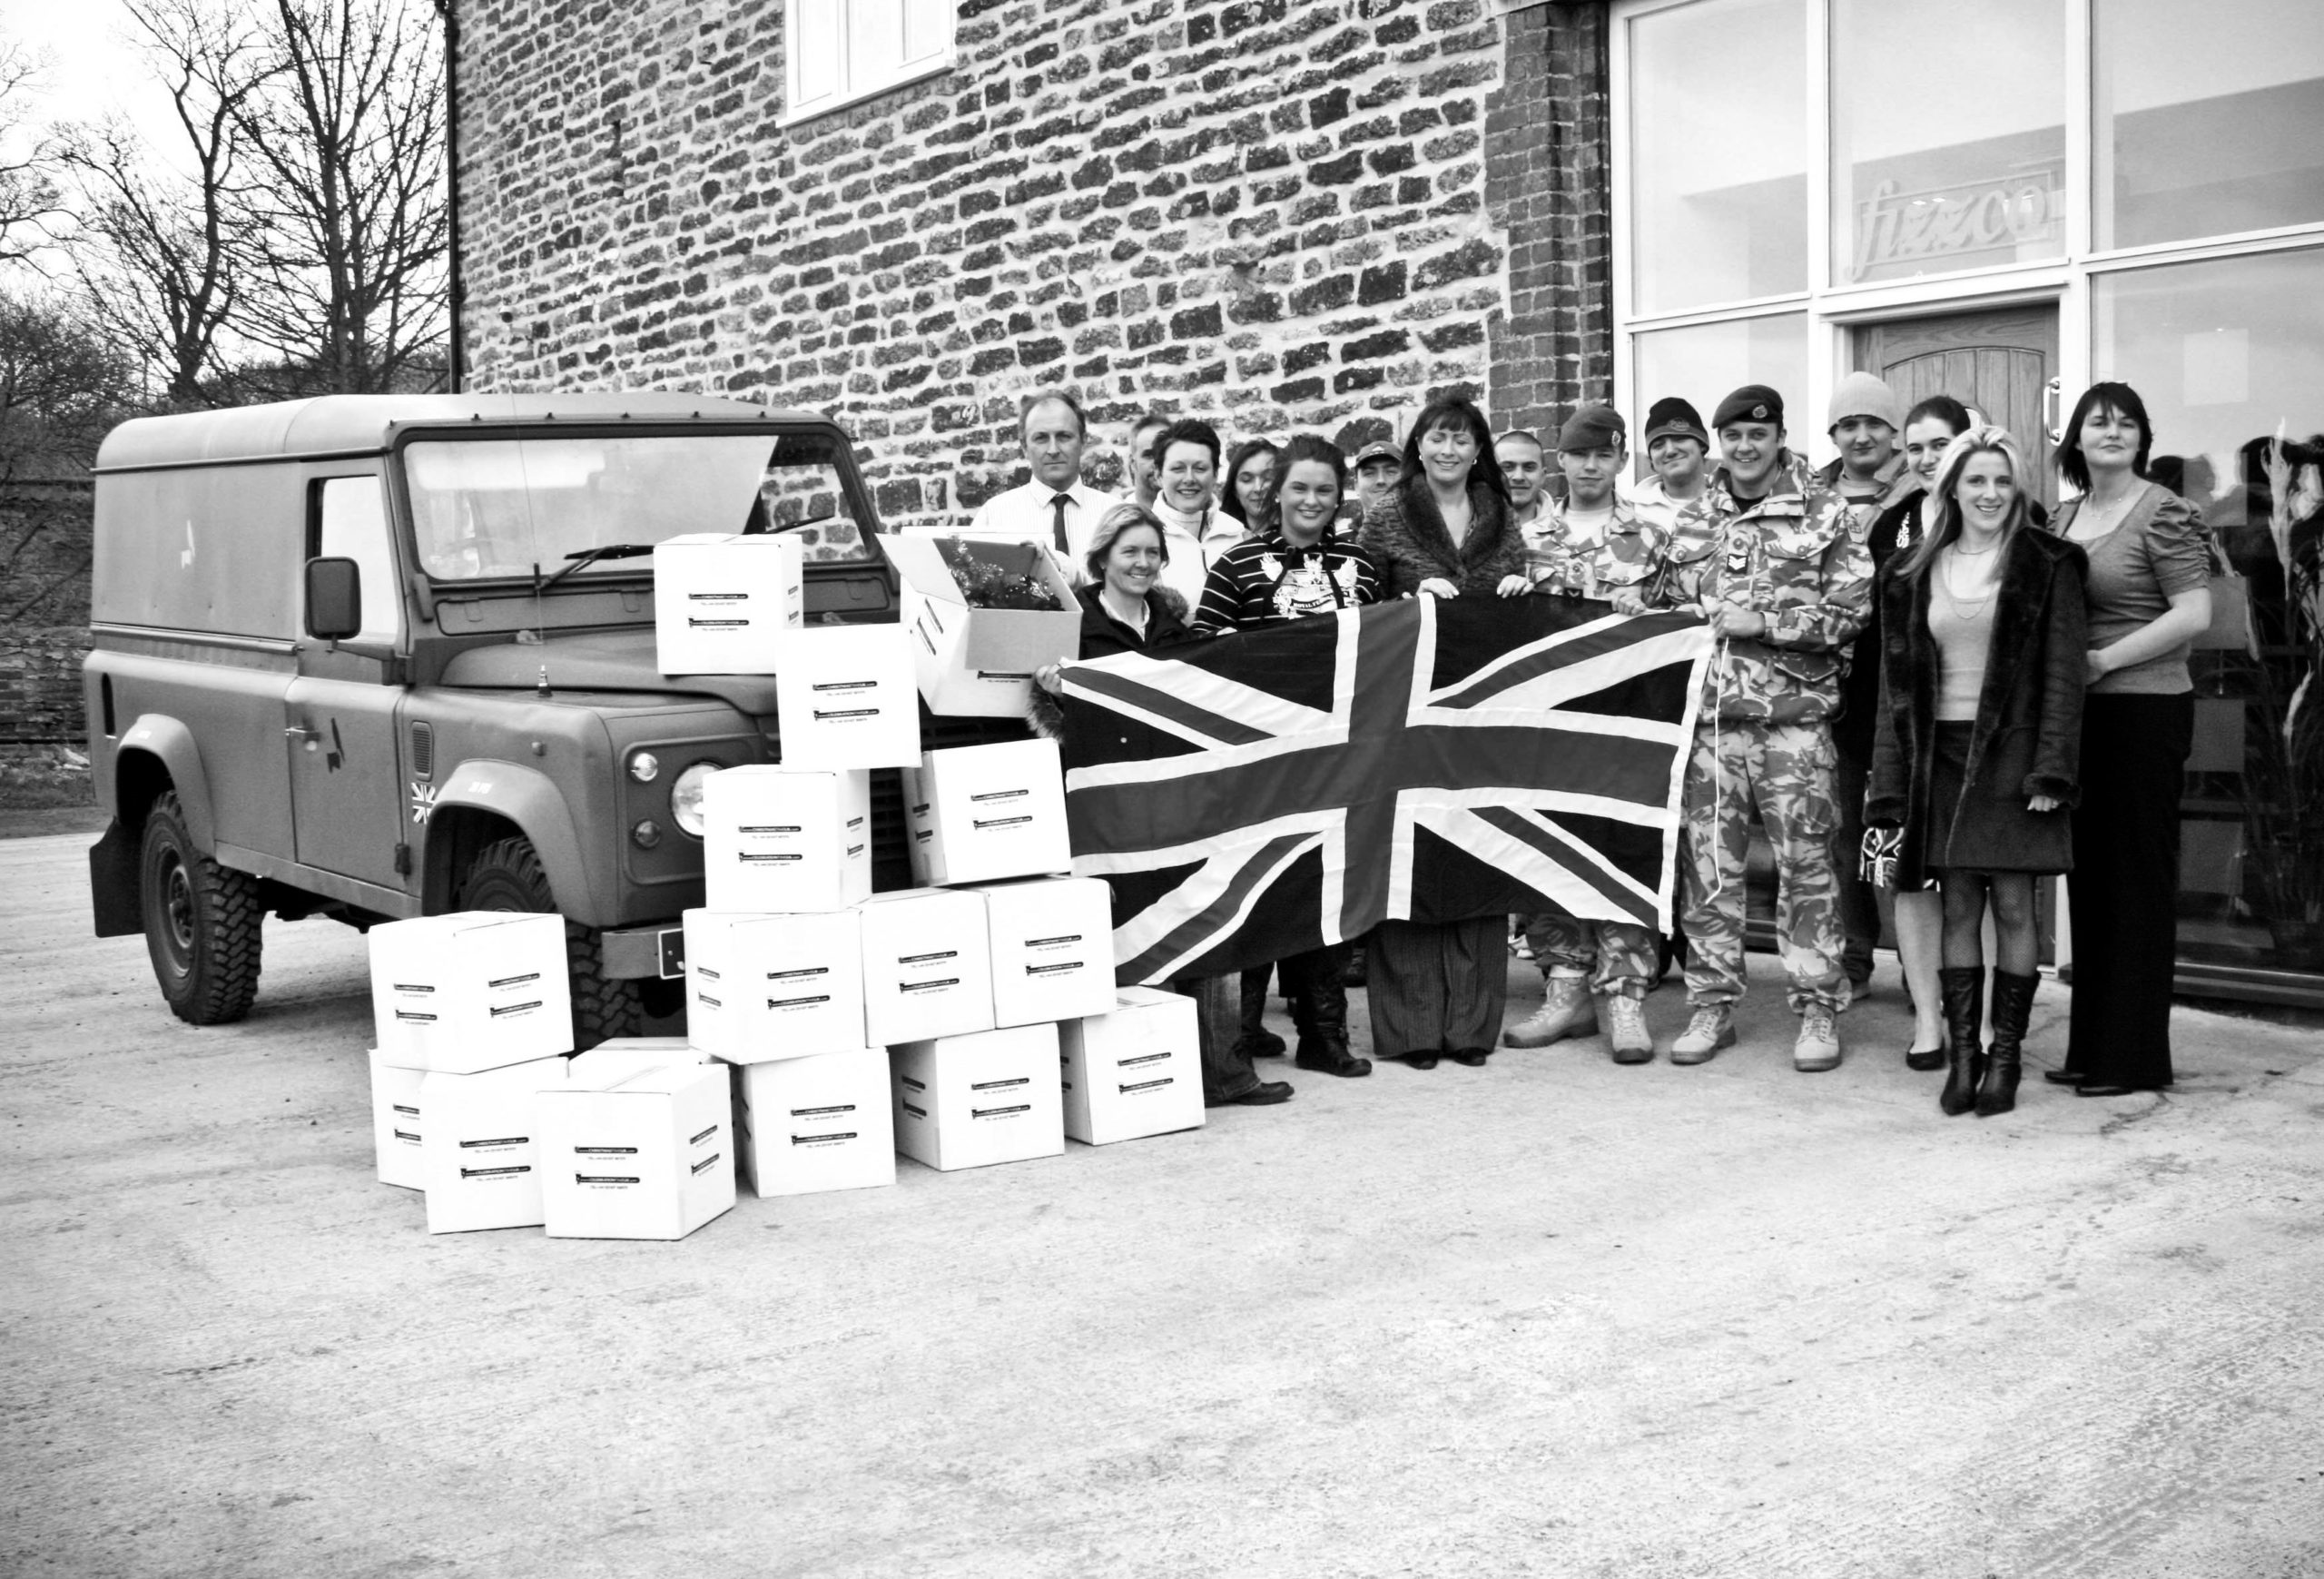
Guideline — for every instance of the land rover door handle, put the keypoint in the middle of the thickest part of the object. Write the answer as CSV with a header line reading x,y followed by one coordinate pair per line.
x,y
299,732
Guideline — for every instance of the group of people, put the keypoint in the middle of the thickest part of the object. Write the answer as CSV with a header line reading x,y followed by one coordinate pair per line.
x,y
1925,691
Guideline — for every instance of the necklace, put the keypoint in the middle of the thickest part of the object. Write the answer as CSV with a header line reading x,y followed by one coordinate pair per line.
x,y
2095,516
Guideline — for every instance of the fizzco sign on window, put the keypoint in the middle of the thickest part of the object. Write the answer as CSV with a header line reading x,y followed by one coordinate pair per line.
x,y
1945,227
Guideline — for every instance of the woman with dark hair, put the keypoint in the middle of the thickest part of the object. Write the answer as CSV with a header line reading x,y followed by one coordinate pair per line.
x,y
1125,609
1185,470
1300,568
1982,639
2150,596
1250,475
1447,530
1929,429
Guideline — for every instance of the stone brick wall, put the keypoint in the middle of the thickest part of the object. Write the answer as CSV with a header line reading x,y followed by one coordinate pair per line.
x,y
45,532
1277,214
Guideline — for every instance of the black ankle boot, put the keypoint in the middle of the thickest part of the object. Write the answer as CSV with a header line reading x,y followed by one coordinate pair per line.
x,y
1964,993
2013,1009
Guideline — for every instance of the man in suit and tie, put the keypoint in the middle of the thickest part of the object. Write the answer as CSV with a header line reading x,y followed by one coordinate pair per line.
x,y
1054,506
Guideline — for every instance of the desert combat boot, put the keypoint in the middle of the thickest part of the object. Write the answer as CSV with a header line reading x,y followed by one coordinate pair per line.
x,y
1631,1044
1566,1012
1818,1047
1711,1028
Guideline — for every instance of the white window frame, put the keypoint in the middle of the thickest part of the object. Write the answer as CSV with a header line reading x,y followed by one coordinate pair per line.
x,y
849,30
1833,309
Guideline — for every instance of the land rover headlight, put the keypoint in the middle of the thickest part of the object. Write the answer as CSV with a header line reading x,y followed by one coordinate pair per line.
x,y
685,796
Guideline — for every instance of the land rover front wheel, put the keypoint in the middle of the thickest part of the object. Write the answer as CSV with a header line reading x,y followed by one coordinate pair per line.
x,y
508,876
202,921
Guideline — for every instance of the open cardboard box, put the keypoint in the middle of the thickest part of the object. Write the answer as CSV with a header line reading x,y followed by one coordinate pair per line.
x,y
978,663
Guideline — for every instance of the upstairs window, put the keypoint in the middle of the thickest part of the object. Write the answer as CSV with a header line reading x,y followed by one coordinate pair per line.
x,y
839,51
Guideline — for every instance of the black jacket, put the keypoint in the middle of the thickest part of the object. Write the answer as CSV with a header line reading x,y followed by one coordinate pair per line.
x,y
2026,740
1103,636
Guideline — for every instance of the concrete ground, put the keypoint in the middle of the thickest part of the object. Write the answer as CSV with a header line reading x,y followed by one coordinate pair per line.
x,y
1550,1316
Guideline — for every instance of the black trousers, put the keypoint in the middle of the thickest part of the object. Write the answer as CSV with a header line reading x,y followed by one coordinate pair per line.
x,y
2124,893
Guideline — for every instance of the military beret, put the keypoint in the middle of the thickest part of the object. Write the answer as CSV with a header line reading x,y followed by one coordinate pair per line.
x,y
1593,427
1751,403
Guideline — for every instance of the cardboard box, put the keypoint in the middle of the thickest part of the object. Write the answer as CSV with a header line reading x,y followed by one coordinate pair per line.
x,y
724,602
470,991
619,1055
760,987
775,840
968,1101
478,1163
395,1123
1136,1070
1052,942
978,663
926,966
645,1155
844,697
812,1124
977,813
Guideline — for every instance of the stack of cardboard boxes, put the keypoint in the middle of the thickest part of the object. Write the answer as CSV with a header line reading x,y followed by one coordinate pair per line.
x,y
475,1102
967,1021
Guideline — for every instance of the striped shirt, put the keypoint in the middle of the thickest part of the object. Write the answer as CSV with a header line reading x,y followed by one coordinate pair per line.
x,y
1263,579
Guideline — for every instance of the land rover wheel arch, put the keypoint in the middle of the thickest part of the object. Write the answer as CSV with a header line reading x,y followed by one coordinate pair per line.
x,y
508,876
202,921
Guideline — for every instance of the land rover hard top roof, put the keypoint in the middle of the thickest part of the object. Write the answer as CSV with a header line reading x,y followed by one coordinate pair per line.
x,y
367,424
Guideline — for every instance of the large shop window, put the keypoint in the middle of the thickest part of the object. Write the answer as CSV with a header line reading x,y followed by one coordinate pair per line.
x,y
1718,132
839,51
1948,136
1702,363
2227,353
2207,132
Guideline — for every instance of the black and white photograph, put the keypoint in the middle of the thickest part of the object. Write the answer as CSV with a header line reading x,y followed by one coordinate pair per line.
x,y
993,789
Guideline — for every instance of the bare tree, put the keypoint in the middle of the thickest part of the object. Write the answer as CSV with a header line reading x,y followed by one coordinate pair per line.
x,y
30,204
165,280
346,234
61,385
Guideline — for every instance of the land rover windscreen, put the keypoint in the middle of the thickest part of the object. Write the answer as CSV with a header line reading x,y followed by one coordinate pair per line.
x,y
498,509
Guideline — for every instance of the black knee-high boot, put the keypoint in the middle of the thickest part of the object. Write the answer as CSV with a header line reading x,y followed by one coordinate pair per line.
x,y
1964,993
2012,1010
1257,1041
1319,1008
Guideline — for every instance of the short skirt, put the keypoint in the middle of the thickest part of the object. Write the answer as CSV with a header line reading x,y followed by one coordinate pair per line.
x,y
1972,829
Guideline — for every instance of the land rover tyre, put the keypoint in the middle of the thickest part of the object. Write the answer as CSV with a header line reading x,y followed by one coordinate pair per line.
x,y
202,921
508,876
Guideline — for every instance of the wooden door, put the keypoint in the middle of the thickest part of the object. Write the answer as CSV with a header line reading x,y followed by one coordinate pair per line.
x,y
1999,361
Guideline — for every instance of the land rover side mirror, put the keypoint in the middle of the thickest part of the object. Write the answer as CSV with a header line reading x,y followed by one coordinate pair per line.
x,y
334,599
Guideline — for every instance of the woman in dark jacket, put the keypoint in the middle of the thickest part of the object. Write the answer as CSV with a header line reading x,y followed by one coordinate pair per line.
x,y
1297,567
1125,609
1983,632
1446,531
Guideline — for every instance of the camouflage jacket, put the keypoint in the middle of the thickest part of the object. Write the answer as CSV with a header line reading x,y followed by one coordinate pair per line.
x,y
1794,557
1629,555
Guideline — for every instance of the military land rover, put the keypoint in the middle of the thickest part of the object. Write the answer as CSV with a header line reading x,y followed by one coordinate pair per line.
x,y
379,656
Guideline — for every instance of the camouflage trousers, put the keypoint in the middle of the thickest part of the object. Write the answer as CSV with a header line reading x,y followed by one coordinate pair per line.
x,y
1786,771
1618,956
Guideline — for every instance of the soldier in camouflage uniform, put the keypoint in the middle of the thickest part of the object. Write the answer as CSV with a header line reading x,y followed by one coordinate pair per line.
x,y
1768,555
1594,545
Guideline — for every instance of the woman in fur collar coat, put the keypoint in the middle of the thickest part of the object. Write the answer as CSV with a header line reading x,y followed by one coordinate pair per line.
x,y
1446,530
1982,630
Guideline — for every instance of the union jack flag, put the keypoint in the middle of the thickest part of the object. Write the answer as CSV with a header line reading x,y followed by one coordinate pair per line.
x,y
1266,793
